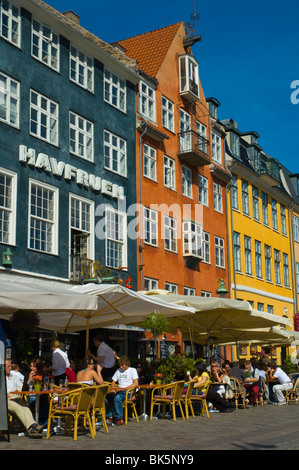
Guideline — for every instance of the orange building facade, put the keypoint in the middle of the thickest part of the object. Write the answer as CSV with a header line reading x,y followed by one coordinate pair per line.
x,y
181,174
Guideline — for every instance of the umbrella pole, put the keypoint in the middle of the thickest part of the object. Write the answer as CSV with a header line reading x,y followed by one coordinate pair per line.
x,y
87,334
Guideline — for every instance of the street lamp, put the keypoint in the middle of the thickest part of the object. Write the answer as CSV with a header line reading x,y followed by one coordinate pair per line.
x,y
221,292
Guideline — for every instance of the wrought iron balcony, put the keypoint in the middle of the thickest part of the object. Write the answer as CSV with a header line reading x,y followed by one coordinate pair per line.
x,y
193,148
267,168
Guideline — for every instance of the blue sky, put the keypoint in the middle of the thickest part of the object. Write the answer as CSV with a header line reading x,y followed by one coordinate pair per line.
x,y
248,56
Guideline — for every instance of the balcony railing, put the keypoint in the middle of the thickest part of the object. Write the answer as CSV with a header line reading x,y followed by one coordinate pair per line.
x,y
193,148
267,168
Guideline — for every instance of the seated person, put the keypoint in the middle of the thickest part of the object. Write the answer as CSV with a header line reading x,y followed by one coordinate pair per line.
x,y
284,383
251,382
89,375
126,377
142,377
216,376
202,380
18,406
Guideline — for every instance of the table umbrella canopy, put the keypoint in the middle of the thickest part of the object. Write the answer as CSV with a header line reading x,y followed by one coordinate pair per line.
x,y
273,335
39,298
213,315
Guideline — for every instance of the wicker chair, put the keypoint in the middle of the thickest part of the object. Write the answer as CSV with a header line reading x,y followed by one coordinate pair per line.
x,y
238,392
262,392
186,399
293,394
98,406
169,395
130,402
201,398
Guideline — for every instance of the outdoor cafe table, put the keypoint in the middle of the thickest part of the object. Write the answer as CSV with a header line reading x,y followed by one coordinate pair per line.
x,y
27,394
146,387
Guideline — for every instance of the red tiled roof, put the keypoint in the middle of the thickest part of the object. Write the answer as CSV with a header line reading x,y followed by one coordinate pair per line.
x,y
149,49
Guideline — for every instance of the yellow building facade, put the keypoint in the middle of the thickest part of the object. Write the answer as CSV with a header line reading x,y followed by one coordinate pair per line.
x,y
260,230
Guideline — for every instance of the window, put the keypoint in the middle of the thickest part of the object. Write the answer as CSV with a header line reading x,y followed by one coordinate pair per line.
x,y
296,228
265,208
150,226
8,188
268,256
234,192
260,306
115,152
116,250
237,251
185,134
248,258
189,291
245,197
277,266
186,181
167,114
189,76
274,214
81,137
169,172
283,219
297,277
203,190
43,217
115,90
218,203
192,237
202,143
173,288
149,162
45,45
147,101
219,252
206,258
10,22
43,118
216,148
286,270
258,259
9,100
204,293
270,309
235,144
150,284
255,203
170,233
81,69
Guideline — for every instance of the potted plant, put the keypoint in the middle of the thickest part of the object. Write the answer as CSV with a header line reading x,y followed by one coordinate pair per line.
x,y
37,383
158,378
157,324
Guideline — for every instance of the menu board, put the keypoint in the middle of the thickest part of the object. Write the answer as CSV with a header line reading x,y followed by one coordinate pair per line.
x,y
3,394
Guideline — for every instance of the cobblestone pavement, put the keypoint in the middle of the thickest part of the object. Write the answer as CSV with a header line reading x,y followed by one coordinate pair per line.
x,y
266,427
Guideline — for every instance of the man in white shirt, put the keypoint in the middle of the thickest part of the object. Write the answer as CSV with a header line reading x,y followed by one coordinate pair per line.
x,y
60,362
18,406
126,377
105,357
284,380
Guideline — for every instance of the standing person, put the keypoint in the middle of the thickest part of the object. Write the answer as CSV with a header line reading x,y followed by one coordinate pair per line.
x,y
284,380
126,376
105,357
18,406
60,362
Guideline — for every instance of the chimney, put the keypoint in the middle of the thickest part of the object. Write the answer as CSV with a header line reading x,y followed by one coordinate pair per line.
x,y
72,16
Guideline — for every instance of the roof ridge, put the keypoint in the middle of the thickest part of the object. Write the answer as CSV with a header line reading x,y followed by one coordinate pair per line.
x,y
149,32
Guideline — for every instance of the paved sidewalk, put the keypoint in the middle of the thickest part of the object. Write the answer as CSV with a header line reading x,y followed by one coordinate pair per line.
x,y
266,427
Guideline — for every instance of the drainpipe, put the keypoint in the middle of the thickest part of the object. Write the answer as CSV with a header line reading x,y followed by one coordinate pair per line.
x,y
293,261
232,230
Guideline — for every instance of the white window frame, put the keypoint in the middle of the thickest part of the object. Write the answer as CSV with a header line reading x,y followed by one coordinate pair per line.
x,y
150,284
265,209
245,197
147,101
186,181
202,137
150,226
37,219
8,206
258,259
268,256
248,255
170,234
12,23
192,238
47,44
235,143
237,252
173,288
216,148
115,153
150,162
286,270
81,69
283,219
206,248
167,114
9,100
219,252
234,192
218,197
277,270
44,112
81,137
203,190
115,90
274,214
169,172
189,291
81,219
116,238
185,131
255,203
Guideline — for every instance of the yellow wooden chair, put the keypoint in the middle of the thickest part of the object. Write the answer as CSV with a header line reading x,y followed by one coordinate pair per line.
x,y
168,395
238,392
72,406
293,394
187,399
261,394
98,406
200,398
130,403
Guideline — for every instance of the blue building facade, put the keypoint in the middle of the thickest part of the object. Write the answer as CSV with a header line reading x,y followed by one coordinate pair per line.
x,y
67,148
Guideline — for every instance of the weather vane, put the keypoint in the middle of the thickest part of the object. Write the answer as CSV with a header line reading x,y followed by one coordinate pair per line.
x,y
191,29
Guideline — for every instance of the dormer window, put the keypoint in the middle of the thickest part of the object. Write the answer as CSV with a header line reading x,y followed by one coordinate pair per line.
x,y
235,143
189,81
147,101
